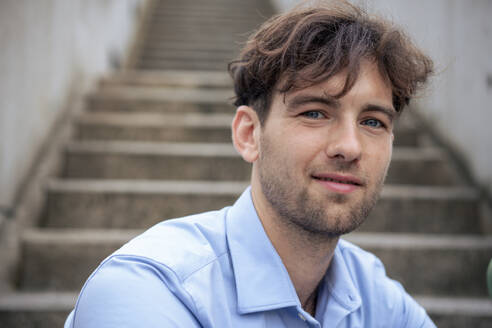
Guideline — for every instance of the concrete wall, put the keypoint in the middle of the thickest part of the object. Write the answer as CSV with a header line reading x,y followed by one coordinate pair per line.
x,y
49,50
458,36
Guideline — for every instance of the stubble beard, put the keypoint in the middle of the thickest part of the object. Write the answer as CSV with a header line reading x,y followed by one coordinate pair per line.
x,y
302,212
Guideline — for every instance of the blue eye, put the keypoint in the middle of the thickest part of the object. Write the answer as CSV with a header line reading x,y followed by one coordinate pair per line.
x,y
373,123
313,114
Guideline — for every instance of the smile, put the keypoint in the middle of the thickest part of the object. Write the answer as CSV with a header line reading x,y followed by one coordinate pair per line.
x,y
338,183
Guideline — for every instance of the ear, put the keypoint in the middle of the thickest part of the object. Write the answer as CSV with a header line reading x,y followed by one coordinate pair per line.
x,y
245,133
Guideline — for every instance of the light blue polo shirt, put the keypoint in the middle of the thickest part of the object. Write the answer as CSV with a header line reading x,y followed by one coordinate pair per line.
x,y
219,269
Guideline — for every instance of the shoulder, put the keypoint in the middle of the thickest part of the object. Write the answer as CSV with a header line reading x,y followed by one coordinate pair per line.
x,y
361,263
367,272
182,245
130,291
147,275
381,296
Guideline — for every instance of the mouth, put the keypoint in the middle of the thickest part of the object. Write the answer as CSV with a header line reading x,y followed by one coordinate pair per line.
x,y
338,179
338,183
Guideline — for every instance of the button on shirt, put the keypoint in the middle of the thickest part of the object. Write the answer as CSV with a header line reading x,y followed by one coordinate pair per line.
x,y
219,269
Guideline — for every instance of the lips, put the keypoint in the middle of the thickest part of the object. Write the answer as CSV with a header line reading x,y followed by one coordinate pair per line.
x,y
343,184
337,178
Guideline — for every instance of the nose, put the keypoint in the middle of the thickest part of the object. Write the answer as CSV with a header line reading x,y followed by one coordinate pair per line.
x,y
344,143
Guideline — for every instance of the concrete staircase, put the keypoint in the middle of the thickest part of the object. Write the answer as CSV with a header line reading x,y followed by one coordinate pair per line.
x,y
197,35
155,144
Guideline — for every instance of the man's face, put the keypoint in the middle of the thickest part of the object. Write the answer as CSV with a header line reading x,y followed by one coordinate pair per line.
x,y
322,161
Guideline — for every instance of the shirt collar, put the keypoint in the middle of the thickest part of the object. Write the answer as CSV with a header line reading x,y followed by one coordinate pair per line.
x,y
338,281
339,295
262,282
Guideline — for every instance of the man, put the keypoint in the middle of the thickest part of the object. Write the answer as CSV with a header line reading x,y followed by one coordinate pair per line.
x,y
318,90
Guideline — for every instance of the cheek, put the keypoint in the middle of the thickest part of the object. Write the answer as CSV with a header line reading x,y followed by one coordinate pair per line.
x,y
304,151
385,158
380,156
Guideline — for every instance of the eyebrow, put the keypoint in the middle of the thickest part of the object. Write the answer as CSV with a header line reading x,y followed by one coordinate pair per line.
x,y
390,112
307,99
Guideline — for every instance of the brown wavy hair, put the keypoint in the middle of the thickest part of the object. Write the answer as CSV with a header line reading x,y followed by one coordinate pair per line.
x,y
310,44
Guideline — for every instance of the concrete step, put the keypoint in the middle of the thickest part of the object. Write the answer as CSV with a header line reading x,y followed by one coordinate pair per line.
x,y
151,160
240,6
212,63
166,20
61,259
166,25
246,23
432,264
189,127
132,204
166,62
203,24
424,209
458,312
220,161
188,79
422,166
184,45
231,39
154,127
187,55
140,204
216,32
161,4
231,3
35,309
183,65
158,99
251,15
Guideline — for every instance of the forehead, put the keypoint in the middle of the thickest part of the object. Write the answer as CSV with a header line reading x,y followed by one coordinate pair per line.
x,y
370,86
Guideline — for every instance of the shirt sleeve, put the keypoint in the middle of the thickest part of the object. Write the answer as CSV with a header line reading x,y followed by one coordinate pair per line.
x,y
132,292
415,314
409,313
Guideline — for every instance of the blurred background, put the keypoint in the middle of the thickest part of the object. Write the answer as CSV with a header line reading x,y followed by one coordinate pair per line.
x,y
115,114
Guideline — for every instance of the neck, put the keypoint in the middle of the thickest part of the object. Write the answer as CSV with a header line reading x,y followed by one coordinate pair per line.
x,y
305,255
306,261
